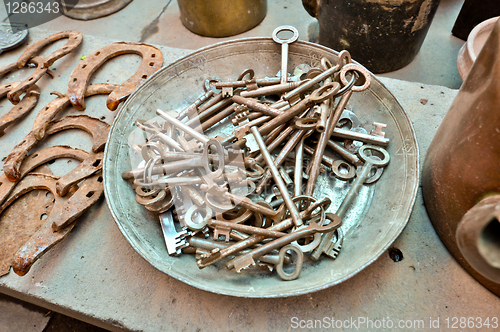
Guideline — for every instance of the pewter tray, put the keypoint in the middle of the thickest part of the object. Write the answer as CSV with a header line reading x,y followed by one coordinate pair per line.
x,y
377,218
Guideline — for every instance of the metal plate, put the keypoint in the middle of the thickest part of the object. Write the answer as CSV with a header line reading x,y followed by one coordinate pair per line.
x,y
384,209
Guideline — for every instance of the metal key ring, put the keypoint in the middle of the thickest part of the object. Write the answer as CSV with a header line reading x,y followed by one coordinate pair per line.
x,y
343,176
250,72
326,64
163,205
196,226
349,85
298,264
344,58
285,28
146,192
375,162
152,151
148,201
378,173
218,206
306,123
220,152
326,91
359,69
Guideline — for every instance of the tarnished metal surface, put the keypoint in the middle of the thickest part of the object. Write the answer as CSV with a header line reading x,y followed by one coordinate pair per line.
x,y
152,60
10,39
20,110
97,128
383,211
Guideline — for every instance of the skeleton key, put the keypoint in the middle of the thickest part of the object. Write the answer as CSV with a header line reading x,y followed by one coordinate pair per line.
x,y
174,240
245,260
294,213
326,246
254,239
210,245
245,228
284,48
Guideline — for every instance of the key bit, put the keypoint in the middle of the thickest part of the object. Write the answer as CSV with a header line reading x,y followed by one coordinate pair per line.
x,y
174,240
378,129
333,248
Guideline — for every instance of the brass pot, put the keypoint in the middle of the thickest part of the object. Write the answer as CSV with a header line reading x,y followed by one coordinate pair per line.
x,y
461,169
221,18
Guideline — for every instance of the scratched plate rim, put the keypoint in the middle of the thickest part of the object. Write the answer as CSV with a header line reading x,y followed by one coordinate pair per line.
x,y
175,84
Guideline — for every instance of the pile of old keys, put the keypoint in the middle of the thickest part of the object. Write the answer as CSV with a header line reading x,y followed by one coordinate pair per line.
x,y
233,199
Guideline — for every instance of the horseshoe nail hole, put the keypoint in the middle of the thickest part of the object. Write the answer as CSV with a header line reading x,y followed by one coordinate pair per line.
x,y
43,216
395,254
99,179
76,37
97,53
144,76
35,155
20,108
48,194
153,55
75,79
90,194
103,117
151,64
8,86
84,66
96,163
31,79
489,243
1,184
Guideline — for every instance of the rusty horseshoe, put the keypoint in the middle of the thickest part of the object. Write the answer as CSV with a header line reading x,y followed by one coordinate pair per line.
x,y
49,112
18,111
97,128
152,60
61,218
90,164
74,39
15,94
